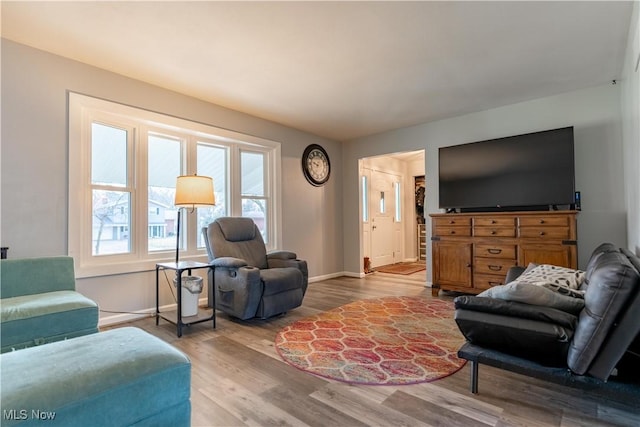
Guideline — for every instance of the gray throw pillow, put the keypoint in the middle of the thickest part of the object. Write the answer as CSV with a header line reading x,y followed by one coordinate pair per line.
x,y
534,295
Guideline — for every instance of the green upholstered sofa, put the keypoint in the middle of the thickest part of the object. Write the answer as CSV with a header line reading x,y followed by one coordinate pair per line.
x,y
121,377
39,303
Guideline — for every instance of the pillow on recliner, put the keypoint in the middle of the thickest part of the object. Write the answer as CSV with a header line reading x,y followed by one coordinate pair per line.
x,y
534,295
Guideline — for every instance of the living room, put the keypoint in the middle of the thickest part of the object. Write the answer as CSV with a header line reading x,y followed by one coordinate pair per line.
x,y
320,224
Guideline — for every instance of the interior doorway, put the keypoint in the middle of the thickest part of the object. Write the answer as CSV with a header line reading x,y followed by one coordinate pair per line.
x,y
390,214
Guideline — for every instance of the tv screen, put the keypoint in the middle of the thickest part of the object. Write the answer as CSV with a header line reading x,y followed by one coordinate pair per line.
x,y
528,172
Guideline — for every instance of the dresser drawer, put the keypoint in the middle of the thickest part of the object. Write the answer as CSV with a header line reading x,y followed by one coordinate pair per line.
x,y
495,251
545,233
453,231
494,231
486,281
494,222
496,266
555,221
440,222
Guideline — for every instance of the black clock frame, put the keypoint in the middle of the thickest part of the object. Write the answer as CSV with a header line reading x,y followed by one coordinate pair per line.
x,y
305,169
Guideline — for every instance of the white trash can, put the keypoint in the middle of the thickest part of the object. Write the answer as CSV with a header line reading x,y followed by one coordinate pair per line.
x,y
191,290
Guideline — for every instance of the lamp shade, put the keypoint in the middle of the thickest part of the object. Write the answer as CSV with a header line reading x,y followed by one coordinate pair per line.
x,y
194,190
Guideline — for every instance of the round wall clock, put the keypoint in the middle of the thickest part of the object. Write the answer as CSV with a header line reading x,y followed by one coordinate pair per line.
x,y
315,165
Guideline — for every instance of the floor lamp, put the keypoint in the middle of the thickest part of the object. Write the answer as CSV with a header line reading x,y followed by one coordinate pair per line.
x,y
192,191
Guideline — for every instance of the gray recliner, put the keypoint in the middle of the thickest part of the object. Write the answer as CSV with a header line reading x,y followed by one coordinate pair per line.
x,y
247,281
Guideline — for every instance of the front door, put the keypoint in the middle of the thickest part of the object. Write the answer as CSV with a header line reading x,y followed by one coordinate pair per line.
x,y
384,230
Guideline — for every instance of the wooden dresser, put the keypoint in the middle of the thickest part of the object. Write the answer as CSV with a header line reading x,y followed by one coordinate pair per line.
x,y
473,251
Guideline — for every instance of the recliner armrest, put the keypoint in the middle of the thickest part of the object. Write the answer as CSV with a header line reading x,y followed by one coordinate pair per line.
x,y
281,255
229,262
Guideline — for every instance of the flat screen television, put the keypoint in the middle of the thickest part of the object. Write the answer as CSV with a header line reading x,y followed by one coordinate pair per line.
x,y
534,171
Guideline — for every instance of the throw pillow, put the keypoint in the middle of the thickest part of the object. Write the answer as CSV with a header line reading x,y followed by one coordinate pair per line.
x,y
534,295
553,275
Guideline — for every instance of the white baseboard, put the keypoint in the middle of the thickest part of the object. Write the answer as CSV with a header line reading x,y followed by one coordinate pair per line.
x,y
116,318
329,276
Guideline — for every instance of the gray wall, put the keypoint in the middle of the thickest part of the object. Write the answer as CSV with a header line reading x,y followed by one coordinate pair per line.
x,y
34,174
596,117
630,85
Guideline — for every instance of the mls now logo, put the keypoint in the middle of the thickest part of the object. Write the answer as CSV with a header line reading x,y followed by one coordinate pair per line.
x,y
15,414
23,414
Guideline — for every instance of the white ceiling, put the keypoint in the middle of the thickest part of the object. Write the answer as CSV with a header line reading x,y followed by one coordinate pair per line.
x,y
341,70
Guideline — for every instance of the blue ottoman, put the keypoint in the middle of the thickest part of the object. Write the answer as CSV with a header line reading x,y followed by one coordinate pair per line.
x,y
121,377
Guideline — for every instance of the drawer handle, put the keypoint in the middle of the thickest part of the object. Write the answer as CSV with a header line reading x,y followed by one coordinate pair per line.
x,y
493,221
493,232
452,232
542,233
452,222
542,221
495,283
494,251
495,267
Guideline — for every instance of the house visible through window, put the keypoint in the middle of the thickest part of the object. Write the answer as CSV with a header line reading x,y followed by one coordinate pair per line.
x,y
123,164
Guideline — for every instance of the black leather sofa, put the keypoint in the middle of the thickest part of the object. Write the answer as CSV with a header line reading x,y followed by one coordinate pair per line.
x,y
596,348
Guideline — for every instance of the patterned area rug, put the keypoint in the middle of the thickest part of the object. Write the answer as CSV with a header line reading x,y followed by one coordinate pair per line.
x,y
402,268
381,341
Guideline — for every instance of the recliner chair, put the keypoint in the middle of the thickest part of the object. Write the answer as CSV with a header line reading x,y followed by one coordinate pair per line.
x,y
247,281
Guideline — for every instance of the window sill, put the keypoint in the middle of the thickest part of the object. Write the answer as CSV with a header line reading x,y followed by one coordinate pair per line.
x,y
129,267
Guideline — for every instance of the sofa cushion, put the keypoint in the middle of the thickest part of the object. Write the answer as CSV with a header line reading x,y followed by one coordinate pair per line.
x,y
544,342
611,282
516,310
31,276
42,318
123,377
534,295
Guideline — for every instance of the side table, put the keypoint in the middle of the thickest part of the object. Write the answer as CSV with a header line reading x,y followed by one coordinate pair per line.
x,y
175,316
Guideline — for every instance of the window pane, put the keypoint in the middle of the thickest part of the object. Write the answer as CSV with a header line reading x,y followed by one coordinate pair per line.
x,y
212,161
108,155
164,167
111,223
252,168
256,209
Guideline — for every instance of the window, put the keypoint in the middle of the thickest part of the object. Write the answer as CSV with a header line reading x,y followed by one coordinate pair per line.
x,y
254,196
111,189
123,164
365,199
398,200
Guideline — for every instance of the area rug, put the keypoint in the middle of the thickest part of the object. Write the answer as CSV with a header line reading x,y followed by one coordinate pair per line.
x,y
381,341
402,268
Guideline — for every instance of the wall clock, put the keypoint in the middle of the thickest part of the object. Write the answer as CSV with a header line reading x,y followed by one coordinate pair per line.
x,y
315,165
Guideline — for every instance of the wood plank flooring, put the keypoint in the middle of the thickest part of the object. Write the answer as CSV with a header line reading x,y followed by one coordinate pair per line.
x,y
239,380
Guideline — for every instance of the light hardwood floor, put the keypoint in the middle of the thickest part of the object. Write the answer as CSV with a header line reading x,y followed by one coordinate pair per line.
x,y
238,379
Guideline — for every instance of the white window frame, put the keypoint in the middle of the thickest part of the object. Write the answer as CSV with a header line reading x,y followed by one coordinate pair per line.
x,y
83,110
